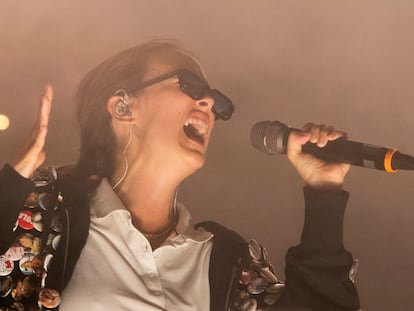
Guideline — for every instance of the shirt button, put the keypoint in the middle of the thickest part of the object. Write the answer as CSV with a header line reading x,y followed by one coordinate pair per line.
x,y
157,293
151,275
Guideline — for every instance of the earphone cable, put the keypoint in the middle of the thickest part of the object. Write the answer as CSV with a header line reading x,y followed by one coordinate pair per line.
x,y
125,159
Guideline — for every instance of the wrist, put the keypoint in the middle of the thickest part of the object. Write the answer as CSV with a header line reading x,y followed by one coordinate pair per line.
x,y
329,186
22,170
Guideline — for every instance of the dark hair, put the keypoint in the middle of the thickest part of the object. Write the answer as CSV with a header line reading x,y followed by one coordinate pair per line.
x,y
124,70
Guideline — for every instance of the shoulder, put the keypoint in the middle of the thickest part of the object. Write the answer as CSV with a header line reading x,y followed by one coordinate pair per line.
x,y
225,240
71,187
221,233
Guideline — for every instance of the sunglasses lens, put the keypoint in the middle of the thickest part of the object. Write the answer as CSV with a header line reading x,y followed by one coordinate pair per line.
x,y
197,89
192,85
223,108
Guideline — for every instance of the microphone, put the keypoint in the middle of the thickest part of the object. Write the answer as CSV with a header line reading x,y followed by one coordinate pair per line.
x,y
271,137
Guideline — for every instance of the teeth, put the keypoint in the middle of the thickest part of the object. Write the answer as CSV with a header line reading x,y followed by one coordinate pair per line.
x,y
198,124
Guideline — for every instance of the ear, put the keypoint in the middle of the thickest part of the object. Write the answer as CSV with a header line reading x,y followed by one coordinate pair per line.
x,y
118,108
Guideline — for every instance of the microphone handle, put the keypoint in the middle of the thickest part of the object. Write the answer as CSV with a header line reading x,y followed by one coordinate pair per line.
x,y
351,152
359,154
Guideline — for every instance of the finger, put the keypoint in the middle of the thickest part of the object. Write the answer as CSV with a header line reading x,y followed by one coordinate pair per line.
x,y
307,127
40,129
321,134
295,142
316,132
324,134
337,134
45,106
313,129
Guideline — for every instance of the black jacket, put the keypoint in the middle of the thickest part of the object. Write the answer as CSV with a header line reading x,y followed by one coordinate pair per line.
x,y
317,270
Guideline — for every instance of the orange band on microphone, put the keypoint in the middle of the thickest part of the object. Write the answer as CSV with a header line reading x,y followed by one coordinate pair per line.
x,y
387,161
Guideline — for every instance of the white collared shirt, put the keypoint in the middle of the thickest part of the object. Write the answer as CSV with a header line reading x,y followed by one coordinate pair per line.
x,y
117,269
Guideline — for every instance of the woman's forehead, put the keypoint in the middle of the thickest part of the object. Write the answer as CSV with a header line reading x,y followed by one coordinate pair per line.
x,y
165,63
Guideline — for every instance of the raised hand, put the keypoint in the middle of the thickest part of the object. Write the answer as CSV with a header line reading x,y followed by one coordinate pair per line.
x,y
316,173
33,154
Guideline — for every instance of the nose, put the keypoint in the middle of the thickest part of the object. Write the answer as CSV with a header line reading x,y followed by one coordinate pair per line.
x,y
206,103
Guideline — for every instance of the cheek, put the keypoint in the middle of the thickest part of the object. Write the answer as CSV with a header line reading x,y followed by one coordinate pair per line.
x,y
168,105
171,116
170,120
164,113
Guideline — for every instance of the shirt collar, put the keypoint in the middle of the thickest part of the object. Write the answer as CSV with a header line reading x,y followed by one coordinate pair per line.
x,y
185,227
104,201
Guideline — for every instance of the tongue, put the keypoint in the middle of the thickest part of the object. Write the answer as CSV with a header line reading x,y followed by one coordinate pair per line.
x,y
192,133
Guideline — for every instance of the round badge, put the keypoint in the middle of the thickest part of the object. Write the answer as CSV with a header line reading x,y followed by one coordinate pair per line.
x,y
6,266
56,241
15,252
276,288
47,261
36,246
268,275
25,264
38,265
23,289
49,298
6,285
18,306
56,225
40,178
270,299
249,305
25,220
41,183
257,286
37,221
45,201
26,240
31,201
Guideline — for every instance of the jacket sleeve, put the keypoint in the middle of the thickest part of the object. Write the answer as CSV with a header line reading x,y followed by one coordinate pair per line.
x,y
318,269
14,190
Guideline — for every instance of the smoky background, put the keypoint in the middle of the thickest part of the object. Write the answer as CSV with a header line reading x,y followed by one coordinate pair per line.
x,y
345,63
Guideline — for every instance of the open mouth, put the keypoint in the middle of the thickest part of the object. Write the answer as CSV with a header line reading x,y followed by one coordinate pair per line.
x,y
195,129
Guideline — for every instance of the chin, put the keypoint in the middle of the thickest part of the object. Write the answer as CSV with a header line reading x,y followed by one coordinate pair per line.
x,y
199,163
196,161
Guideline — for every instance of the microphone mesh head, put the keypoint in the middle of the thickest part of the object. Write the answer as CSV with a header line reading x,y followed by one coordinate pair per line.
x,y
267,136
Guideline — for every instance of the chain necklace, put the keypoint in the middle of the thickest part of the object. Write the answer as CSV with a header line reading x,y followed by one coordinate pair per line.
x,y
155,235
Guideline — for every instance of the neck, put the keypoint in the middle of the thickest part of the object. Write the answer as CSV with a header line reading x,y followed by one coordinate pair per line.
x,y
147,187
150,201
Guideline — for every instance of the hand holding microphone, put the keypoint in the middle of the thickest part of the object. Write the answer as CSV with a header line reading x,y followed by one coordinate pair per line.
x,y
275,137
316,173
272,137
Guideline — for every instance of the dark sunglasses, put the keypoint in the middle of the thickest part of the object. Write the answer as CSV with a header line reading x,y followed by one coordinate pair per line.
x,y
197,89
